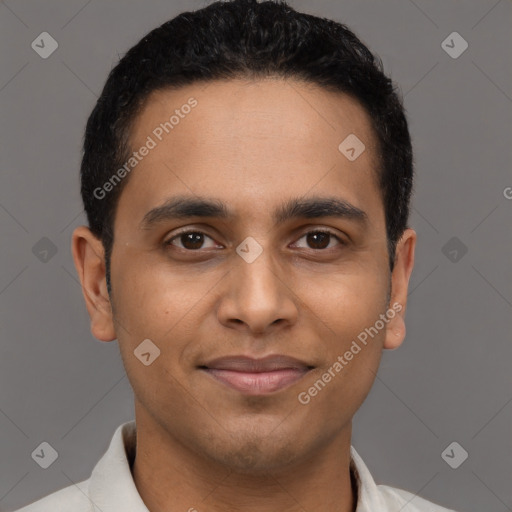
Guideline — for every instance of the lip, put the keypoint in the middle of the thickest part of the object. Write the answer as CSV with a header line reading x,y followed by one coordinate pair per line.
x,y
253,376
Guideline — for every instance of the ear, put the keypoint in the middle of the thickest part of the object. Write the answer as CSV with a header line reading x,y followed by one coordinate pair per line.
x,y
404,262
89,258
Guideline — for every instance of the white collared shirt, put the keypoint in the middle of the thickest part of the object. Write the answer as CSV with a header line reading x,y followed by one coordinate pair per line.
x,y
111,488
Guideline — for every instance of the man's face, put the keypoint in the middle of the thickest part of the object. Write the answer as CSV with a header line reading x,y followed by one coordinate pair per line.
x,y
251,284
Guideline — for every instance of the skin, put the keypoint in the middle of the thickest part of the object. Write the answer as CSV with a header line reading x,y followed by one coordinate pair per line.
x,y
251,144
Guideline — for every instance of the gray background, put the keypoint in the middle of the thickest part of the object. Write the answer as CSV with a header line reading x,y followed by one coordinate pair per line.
x,y
451,379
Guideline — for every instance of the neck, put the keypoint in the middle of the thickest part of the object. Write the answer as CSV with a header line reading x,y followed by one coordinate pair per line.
x,y
170,476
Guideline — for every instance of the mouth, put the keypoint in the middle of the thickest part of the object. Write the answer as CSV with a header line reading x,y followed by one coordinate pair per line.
x,y
252,376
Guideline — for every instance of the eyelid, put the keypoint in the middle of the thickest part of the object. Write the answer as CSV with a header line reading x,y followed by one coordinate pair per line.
x,y
322,230
310,229
185,231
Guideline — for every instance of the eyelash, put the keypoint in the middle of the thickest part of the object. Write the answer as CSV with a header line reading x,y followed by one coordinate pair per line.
x,y
323,231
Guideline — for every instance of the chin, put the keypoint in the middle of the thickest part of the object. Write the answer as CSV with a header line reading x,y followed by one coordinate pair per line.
x,y
251,459
252,452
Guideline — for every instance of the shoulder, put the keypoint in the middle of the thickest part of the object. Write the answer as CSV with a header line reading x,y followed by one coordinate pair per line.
x,y
399,499
73,497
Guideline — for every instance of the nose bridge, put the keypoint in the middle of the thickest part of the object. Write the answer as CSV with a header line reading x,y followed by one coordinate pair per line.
x,y
258,276
258,295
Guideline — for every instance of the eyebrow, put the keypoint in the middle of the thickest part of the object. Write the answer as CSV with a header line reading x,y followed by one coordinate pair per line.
x,y
183,207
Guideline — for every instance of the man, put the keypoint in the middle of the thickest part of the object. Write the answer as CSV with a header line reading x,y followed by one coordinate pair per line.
x,y
246,176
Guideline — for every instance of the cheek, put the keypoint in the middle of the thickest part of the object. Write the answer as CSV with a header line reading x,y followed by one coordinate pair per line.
x,y
351,357
154,316
152,298
346,317
166,307
346,304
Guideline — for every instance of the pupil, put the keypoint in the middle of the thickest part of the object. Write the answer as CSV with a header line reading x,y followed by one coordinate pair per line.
x,y
323,237
189,239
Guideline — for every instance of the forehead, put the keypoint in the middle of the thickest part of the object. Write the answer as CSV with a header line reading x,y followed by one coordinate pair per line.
x,y
272,109
251,143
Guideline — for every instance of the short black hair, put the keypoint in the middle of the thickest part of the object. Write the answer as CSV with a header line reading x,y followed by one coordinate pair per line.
x,y
244,39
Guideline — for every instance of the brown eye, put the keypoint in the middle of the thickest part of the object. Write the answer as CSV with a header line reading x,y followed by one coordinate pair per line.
x,y
320,240
190,240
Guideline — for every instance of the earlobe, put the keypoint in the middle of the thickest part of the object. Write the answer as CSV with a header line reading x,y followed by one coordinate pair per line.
x,y
395,332
404,263
88,256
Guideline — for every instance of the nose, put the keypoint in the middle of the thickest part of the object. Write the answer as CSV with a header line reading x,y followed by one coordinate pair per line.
x,y
257,297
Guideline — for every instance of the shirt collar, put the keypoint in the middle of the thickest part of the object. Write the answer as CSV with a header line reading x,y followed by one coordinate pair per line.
x,y
112,488
369,497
